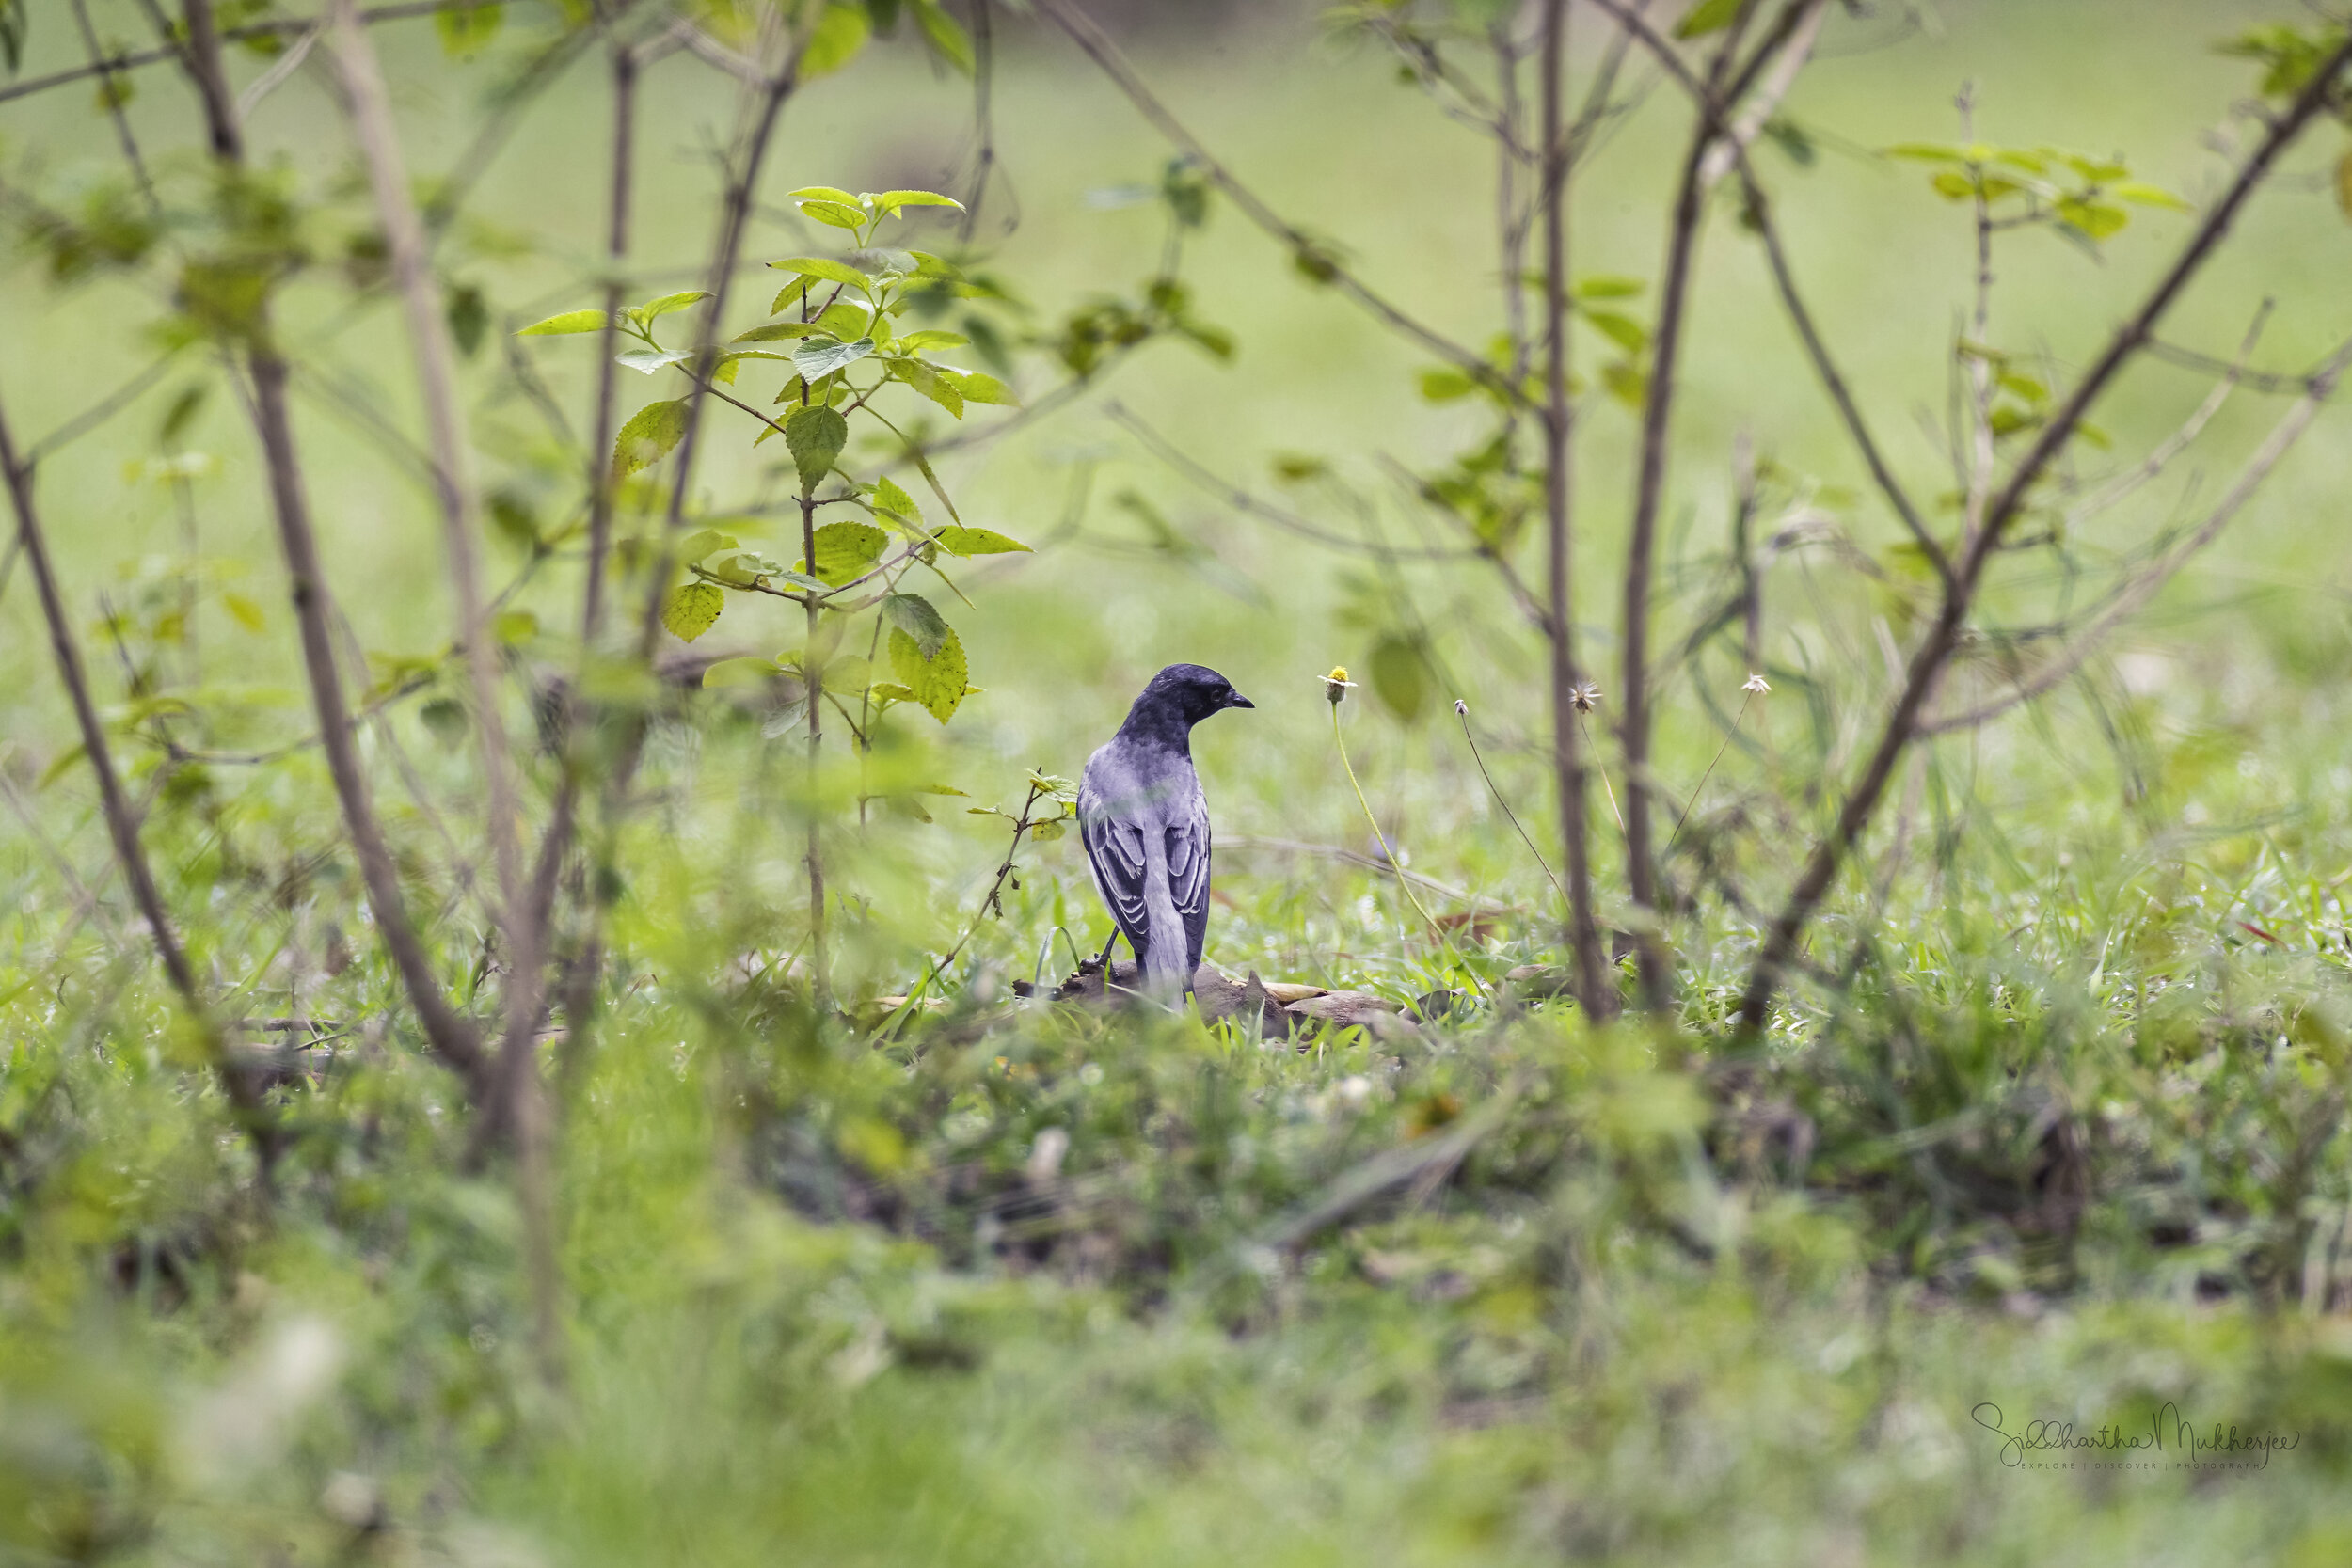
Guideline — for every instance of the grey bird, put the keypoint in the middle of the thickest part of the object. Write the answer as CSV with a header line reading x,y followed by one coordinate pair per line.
x,y
1145,823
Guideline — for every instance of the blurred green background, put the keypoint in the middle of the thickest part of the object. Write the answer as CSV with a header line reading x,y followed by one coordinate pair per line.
x,y
2070,1144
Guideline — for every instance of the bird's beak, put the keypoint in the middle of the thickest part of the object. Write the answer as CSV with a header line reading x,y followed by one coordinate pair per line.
x,y
1237,700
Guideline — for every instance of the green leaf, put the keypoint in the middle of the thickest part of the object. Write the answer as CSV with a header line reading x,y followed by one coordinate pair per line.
x,y
1952,185
1623,331
2146,195
747,671
946,37
914,342
2094,218
890,201
1607,288
958,540
836,214
931,382
793,290
703,542
913,616
938,679
897,504
835,41
822,357
775,331
466,33
1708,16
649,436
1400,678
816,266
816,434
822,193
692,609
845,551
1445,383
469,316
979,387
648,361
569,322
654,309
248,614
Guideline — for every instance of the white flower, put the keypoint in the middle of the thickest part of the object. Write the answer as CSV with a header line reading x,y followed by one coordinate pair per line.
x,y
1757,684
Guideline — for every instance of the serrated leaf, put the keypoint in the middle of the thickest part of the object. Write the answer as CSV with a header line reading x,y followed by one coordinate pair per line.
x,y
936,680
846,550
895,503
816,434
817,266
836,214
979,387
570,321
822,357
692,609
927,380
913,616
958,540
655,309
788,293
930,338
647,437
822,193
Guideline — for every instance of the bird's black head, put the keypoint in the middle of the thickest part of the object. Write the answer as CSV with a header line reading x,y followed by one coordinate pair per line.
x,y
1178,697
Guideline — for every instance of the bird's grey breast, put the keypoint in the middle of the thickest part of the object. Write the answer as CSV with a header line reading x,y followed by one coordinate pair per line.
x,y
1144,788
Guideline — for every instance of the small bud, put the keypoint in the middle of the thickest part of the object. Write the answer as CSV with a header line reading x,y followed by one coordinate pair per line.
x,y
1461,708
1757,685
1336,685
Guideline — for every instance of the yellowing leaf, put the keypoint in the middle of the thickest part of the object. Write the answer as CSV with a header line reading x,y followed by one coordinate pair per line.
x,y
248,614
647,437
692,609
938,683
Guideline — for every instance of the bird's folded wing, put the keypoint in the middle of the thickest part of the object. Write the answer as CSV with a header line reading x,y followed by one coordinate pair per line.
x,y
1115,852
1189,873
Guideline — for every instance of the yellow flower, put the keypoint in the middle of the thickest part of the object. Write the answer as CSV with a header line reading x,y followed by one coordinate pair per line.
x,y
1336,685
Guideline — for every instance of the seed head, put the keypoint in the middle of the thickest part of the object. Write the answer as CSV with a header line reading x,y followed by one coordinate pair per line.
x,y
1757,685
1585,698
1336,685
1461,708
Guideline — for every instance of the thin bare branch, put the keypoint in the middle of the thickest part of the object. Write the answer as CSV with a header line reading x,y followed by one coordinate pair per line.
x,y
244,1095
2081,643
1936,650
451,1035
1595,983
1098,47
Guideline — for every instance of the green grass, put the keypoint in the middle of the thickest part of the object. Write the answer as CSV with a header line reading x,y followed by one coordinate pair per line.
x,y
2069,1143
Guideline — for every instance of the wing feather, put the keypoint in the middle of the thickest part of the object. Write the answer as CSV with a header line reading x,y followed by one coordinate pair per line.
x,y
1188,874
1115,855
